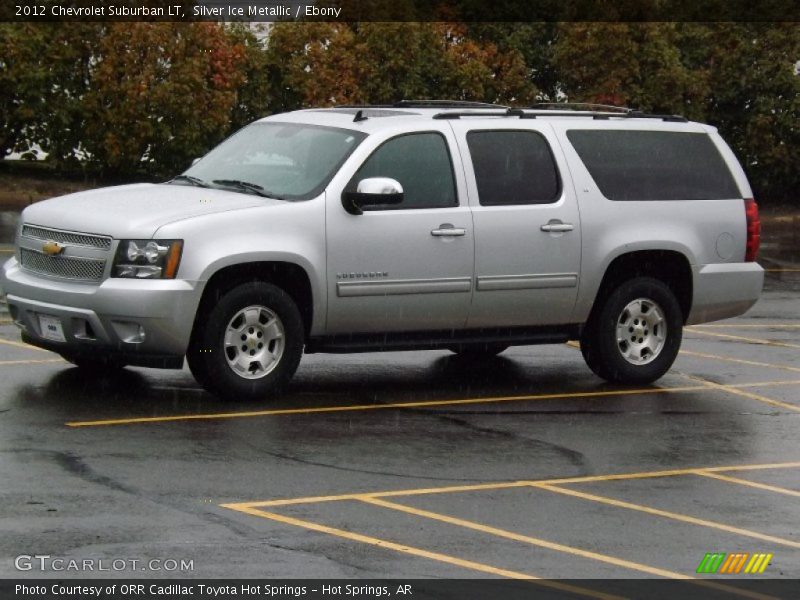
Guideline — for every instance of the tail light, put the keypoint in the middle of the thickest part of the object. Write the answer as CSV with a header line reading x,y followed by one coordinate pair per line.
x,y
753,230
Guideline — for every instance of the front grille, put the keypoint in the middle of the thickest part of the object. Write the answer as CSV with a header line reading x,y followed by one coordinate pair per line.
x,y
67,237
82,269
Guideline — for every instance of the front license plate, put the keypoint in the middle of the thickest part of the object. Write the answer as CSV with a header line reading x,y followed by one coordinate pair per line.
x,y
51,328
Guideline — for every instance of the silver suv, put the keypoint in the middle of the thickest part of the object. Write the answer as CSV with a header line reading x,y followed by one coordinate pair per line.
x,y
413,226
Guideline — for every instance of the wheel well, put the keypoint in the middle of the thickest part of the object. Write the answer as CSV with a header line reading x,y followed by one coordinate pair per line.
x,y
667,265
290,277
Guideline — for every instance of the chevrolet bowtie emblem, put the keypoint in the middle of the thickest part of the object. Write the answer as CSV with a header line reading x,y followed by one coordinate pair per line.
x,y
52,248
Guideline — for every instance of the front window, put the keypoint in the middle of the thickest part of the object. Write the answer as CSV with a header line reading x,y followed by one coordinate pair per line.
x,y
421,163
288,161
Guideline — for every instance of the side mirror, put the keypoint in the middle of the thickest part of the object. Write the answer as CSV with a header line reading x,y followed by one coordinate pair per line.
x,y
195,161
374,191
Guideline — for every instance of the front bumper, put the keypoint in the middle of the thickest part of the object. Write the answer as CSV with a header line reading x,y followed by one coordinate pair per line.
x,y
724,290
142,322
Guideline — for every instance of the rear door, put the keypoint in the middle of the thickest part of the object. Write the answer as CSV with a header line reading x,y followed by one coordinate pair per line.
x,y
527,225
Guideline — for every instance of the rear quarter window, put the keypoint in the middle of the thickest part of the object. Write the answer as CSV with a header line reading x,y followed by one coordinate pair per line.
x,y
654,165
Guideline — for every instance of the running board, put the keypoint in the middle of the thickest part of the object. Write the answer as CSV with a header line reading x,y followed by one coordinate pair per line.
x,y
432,340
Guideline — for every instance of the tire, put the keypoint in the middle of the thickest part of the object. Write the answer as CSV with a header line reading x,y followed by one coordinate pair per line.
x,y
266,326
633,337
94,364
478,351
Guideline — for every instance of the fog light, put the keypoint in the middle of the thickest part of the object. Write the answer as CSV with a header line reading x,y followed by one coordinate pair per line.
x,y
130,333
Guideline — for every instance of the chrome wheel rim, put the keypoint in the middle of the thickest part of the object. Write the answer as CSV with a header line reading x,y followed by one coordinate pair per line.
x,y
254,342
641,331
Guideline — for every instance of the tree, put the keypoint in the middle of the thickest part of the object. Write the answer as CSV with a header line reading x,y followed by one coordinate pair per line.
x,y
535,43
320,64
24,82
755,101
313,64
161,94
70,56
627,64
253,95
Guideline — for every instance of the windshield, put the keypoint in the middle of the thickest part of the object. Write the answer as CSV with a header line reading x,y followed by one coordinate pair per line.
x,y
281,160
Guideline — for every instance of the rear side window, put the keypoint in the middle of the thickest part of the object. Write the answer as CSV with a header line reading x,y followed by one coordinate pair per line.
x,y
421,163
513,167
654,165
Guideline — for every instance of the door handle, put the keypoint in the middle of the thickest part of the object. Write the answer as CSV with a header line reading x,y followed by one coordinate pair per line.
x,y
447,230
557,227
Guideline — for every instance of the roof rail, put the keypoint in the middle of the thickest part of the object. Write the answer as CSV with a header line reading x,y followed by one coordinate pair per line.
x,y
509,112
534,113
599,109
444,104
426,104
584,106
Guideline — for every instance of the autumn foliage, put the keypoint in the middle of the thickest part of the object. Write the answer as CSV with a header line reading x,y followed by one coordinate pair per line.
x,y
135,99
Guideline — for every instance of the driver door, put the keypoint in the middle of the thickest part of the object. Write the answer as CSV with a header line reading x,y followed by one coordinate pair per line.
x,y
407,266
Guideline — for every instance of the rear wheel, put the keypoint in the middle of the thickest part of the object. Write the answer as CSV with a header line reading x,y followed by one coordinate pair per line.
x,y
635,334
249,344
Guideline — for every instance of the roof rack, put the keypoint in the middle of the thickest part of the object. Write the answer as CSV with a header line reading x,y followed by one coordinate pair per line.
x,y
445,104
580,106
426,104
361,116
533,113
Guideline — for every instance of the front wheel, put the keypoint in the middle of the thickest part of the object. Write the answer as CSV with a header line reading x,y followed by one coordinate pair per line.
x,y
249,344
635,334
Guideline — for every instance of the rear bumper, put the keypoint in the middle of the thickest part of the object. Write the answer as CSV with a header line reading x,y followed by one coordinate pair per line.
x,y
144,323
724,290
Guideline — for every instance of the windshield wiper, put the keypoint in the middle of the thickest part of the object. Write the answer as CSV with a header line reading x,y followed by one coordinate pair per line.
x,y
253,188
193,180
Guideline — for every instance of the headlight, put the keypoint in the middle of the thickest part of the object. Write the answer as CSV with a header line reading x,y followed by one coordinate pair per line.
x,y
147,259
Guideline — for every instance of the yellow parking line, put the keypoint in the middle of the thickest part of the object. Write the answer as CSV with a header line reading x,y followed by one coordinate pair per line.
x,y
517,537
5,321
749,340
513,484
21,345
667,473
436,556
421,404
667,514
384,494
740,361
748,483
761,467
393,405
732,390
6,363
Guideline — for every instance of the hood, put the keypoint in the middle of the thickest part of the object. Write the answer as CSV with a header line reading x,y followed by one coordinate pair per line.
x,y
135,211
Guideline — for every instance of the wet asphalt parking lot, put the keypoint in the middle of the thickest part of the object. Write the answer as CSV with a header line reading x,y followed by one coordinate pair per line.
x,y
417,464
